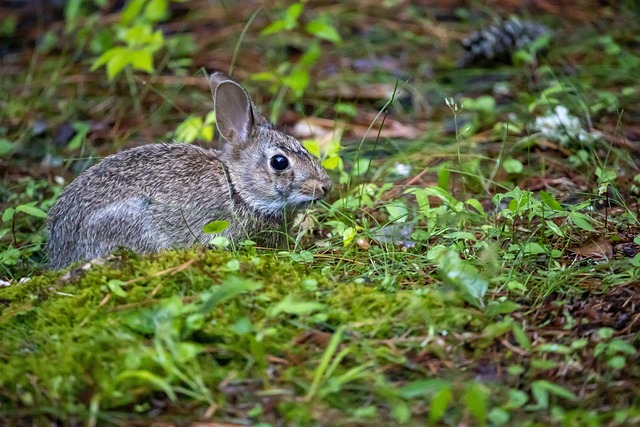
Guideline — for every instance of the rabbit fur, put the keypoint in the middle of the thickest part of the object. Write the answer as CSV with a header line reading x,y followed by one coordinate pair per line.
x,y
160,196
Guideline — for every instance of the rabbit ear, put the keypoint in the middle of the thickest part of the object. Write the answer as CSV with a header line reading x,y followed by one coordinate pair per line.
x,y
234,109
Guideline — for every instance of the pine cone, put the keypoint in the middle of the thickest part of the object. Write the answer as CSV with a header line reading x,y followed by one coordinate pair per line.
x,y
497,43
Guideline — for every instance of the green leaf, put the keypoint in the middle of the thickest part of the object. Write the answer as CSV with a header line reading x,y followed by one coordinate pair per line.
x,y
274,27
550,201
348,235
220,242
439,404
5,146
232,287
444,175
474,203
115,286
157,10
495,308
553,227
82,129
151,378
581,221
534,248
312,147
290,306
141,59
462,276
554,389
421,388
398,212
521,337
131,11
117,62
242,326
7,215
476,399
31,210
616,362
215,227
321,28
331,163
512,166
291,16
297,80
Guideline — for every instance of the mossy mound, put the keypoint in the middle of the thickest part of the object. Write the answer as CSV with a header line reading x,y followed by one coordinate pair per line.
x,y
208,334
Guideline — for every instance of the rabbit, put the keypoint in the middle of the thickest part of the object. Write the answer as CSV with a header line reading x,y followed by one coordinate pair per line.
x,y
160,196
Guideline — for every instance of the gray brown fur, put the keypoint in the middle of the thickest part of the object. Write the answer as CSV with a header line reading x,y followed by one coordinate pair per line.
x,y
160,196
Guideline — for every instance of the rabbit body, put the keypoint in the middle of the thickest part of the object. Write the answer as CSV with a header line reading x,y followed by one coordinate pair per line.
x,y
160,196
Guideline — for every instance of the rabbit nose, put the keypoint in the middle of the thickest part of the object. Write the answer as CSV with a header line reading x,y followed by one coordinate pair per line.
x,y
325,187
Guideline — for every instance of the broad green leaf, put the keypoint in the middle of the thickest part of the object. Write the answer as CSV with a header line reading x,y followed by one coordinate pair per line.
x,y
312,147
291,16
274,27
115,286
149,377
476,399
553,227
157,10
550,201
297,80
474,203
290,306
553,389
141,59
421,388
7,215
323,29
331,163
117,63
131,11
397,211
5,146
232,287
439,404
242,326
534,248
348,235
616,362
512,166
401,412
462,276
215,227
521,337
82,129
619,346
495,308
31,210
581,221
106,57
443,178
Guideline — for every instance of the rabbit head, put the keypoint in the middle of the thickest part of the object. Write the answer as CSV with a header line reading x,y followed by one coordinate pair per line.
x,y
270,171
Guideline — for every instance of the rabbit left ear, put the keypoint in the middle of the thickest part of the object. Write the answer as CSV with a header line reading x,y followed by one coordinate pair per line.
x,y
234,110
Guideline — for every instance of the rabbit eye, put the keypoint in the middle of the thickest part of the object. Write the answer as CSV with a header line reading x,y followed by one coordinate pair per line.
x,y
279,163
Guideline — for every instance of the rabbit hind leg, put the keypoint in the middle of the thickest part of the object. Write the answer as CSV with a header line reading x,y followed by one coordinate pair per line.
x,y
121,224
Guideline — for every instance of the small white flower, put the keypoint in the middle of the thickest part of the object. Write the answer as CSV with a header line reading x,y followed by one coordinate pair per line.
x,y
403,170
559,125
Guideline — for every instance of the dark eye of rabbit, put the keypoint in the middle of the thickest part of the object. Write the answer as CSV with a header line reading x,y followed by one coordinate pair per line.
x,y
279,163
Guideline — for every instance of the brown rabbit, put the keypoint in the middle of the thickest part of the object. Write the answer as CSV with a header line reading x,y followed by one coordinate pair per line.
x,y
160,196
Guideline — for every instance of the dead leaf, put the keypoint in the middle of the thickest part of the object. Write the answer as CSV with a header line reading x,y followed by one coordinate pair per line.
x,y
596,247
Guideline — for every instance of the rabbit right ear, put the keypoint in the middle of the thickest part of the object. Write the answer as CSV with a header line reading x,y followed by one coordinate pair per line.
x,y
234,109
